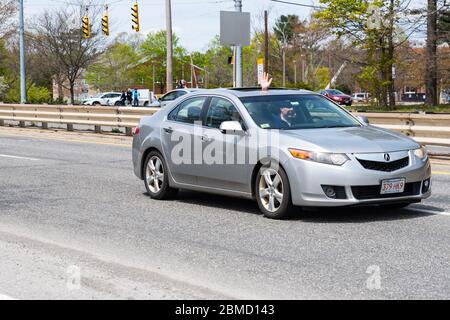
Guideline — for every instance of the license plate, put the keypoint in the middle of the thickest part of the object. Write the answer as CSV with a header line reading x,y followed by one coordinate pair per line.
x,y
392,186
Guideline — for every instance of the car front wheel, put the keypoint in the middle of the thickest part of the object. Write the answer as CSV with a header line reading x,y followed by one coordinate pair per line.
x,y
156,177
273,193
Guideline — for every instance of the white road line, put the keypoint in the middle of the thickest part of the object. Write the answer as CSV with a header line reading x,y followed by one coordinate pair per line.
x,y
5,297
17,157
442,213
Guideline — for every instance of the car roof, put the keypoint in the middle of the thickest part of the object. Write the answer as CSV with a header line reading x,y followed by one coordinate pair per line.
x,y
253,92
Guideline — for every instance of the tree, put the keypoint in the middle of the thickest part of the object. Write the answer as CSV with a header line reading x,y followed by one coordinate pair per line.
x,y
62,43
3,87
220,73
372,26
284,31
114,69
8,8
153,52
431,54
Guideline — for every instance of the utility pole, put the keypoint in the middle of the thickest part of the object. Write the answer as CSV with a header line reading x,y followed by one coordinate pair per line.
x,y
23,82
431,52
266,42
295,72
238,50
153,77
169,49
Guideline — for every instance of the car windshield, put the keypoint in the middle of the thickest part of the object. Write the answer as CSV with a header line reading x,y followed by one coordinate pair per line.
x,y
335,92
289,112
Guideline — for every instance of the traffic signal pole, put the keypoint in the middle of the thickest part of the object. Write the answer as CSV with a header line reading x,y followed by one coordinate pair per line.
x,y
169,49
238,50
23,83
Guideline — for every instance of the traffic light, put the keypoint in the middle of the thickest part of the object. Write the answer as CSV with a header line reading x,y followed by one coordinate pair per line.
x,y
86,27
105,23
135,17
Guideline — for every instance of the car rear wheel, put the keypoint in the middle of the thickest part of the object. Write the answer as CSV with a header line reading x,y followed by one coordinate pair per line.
x,y
273,193
156,177
96,104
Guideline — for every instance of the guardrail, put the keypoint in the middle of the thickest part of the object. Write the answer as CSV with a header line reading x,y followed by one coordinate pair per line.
x,y
122,117
432,129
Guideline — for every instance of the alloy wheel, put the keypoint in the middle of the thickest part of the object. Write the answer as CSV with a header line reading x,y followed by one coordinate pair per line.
x,y
155,174
271,190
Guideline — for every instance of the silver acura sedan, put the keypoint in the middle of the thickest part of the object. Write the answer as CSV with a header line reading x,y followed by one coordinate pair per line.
x,y
284,148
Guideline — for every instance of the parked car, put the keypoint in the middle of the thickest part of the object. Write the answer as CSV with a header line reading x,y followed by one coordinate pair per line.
x,y
104,99
337,96
360,97
146,97
317,155
171,96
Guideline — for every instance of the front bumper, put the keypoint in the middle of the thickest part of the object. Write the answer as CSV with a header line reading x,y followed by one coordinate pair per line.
x,y
307,178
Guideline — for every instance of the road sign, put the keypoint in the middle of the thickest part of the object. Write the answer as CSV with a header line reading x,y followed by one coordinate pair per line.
x,y
260,64
234,28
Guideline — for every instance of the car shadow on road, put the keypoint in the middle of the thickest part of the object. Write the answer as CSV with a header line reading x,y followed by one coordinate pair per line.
x,y
327,215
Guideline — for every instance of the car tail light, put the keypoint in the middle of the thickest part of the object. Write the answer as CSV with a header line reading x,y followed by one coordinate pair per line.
x,y
136,131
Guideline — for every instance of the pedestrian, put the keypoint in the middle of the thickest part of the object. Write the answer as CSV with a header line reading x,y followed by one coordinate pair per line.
x,y
129,97
123,98
135,98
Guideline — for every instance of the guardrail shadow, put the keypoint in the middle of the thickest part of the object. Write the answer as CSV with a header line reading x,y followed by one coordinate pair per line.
x,y
325,215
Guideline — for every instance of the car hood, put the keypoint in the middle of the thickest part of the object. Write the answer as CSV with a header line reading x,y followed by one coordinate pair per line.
x,y
347,140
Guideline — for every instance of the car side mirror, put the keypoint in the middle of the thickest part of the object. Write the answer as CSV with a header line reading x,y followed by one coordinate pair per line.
x,y
231,127
364,119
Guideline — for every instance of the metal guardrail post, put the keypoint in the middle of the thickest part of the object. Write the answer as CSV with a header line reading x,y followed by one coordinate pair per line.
x,y
44,125
128,131
2,123
22,124
69,127
98,129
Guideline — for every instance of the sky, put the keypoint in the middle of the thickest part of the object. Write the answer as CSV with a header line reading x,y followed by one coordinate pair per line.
x,y
195,22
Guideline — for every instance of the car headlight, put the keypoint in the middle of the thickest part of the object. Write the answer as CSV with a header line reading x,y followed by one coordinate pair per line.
x,y
337,159
421,153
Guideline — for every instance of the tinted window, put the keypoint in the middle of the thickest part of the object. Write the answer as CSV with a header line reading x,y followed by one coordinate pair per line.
x,y
296,112
188,111
173,95
221,110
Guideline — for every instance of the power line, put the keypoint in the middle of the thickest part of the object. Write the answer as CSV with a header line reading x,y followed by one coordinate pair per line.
x,y
299,4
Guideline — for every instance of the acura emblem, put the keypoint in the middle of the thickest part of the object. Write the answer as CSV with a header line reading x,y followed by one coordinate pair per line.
x,y
387,157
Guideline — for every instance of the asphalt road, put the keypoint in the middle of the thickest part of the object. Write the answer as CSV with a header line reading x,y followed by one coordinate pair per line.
x,y
76,223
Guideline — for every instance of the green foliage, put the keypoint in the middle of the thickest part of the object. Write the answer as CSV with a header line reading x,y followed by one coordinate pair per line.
x,y
35,94
153,50
3,87
284,27
115,70
322,78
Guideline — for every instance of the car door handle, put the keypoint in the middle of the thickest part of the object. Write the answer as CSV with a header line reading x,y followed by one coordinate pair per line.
x,y
168,130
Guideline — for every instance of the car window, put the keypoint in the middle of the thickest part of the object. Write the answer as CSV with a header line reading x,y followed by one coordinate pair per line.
x,y
188,111
106,96
180,93
170,96
115,95
303,111
221,110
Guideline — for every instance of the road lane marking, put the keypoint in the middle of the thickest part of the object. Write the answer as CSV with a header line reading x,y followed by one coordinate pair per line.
x,y
441,172
441,213
18,157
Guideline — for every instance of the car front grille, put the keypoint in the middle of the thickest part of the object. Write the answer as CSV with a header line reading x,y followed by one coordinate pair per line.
x,y
385,166
373,192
